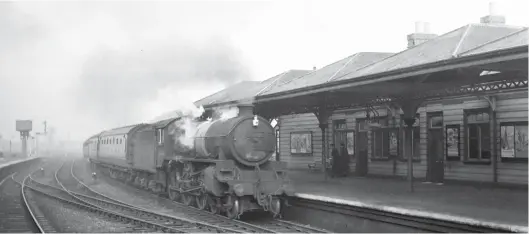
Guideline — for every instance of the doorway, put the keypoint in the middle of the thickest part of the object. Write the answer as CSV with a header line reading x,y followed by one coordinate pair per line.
x,y
435,150
361,159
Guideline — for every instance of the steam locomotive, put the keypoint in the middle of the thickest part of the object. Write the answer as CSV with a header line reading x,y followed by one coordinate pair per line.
x,y
226,169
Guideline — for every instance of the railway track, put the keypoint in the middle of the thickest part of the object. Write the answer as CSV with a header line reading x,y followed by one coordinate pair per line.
x,y
412,222
176,224
266,225
16,215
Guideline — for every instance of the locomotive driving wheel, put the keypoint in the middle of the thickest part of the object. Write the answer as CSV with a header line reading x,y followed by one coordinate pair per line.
x,y
187,198
233,209
174,195
202,200
212,204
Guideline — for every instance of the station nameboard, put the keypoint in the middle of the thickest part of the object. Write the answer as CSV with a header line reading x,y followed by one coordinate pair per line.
x,y
24,125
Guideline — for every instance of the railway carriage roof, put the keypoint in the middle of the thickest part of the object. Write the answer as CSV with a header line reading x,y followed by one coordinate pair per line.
x,y
165,122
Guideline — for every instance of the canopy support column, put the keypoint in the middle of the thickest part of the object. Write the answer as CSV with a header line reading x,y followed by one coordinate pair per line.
x,y
410,107
323,118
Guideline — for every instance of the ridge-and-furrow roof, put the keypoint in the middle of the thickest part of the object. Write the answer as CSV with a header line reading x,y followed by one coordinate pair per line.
x,y
245,91
443,47
330,72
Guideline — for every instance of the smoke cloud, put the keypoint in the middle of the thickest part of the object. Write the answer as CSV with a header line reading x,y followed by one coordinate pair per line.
x,y
115,85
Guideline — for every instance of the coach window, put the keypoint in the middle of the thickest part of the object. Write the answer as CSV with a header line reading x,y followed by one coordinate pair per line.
x,y
478,134
514,142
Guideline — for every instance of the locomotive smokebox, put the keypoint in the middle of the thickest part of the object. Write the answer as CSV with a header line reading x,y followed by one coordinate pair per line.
x,y
244,138
245,110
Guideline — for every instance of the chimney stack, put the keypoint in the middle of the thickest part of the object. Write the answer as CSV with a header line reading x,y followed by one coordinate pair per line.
x,y
494,17
421,35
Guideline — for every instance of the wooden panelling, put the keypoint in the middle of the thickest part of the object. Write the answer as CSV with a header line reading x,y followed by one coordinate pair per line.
x,y
299,122
510,107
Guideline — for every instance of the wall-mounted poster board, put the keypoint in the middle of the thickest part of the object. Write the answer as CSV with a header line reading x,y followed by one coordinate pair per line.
x,y
301,142
351,143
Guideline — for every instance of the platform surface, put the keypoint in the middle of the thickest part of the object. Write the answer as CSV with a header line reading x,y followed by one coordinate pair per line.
x,y
499,207
6,161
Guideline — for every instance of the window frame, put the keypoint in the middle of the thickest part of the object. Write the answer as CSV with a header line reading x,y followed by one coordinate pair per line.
x,y
477,123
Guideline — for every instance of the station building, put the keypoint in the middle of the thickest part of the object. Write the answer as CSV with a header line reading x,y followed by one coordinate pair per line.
x,y
468,86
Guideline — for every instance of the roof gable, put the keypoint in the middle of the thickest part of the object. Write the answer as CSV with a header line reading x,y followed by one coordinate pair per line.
x,y
329,72
443,47
515,39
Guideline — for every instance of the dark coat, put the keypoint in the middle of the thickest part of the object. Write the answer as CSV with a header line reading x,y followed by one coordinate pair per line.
x,y
335,161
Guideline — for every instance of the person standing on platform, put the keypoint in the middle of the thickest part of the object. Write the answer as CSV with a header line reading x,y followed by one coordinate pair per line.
x,y
335,161
344,160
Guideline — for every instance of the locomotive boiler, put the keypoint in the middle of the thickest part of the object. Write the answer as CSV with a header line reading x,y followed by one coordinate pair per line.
x,y
226,169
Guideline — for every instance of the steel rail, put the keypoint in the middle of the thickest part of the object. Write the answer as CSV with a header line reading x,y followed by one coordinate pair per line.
x,y
127,209
273,226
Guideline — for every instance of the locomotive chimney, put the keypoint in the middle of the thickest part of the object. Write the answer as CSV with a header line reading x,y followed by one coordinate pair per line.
x,y
245,109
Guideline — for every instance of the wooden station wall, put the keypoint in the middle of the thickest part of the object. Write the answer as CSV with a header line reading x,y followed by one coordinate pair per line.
x,y
511,107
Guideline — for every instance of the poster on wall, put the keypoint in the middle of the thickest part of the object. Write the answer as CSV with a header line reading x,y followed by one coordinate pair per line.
x,y
520,142
393,142
507,141
301,143
351,143
452,141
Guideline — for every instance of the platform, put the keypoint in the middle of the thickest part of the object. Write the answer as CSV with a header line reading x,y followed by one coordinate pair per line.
x,y
10,161
494,207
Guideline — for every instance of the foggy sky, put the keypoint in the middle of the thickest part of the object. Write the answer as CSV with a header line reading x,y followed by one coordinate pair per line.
x,y
89,66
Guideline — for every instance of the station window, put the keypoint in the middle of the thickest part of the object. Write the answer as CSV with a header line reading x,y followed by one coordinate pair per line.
x,y
514,141
478,134
380,139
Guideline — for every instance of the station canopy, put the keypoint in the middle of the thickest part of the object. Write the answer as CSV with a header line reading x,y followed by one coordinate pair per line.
x,y
471,60
244,92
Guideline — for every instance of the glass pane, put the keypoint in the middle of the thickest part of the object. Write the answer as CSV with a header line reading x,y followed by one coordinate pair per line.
x,y
507,141
520,142
485,116
385,142
416,143
452,141
436,121
473,147
393,142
